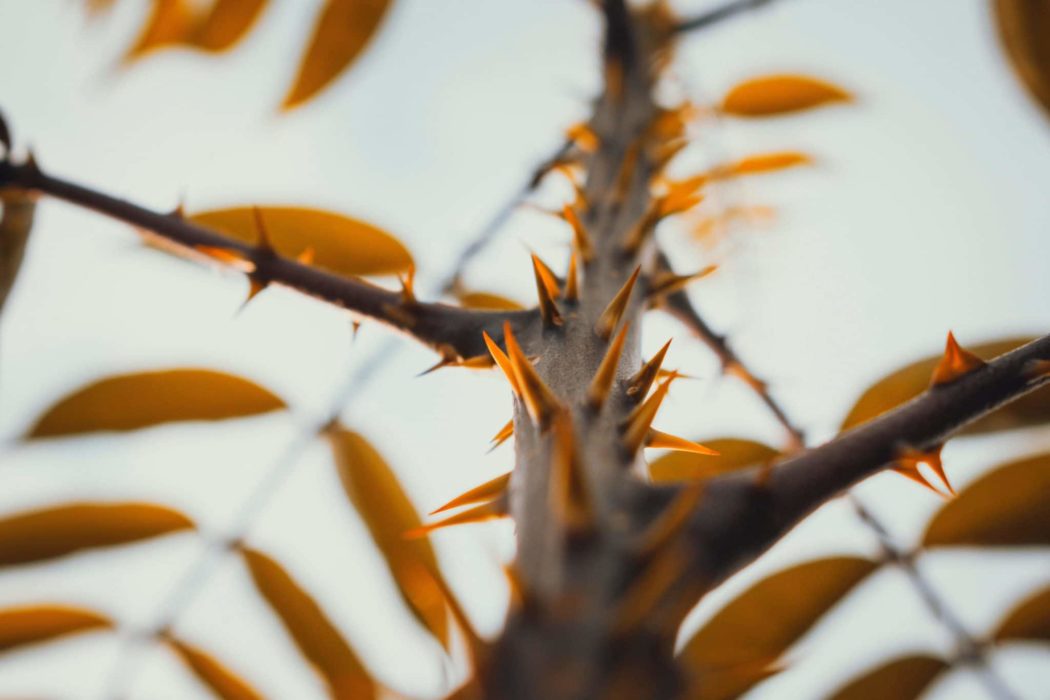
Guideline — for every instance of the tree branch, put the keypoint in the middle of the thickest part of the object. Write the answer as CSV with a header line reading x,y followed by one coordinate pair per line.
x,y
711,17
443,327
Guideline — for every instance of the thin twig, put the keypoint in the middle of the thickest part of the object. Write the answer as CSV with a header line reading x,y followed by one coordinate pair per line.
x,y
712,17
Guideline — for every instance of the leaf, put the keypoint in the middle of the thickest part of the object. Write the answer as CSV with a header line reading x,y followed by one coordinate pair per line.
x,y
763,622
223,682
377,496
1006,507
191,24
911,380
487,301
15,223
54,532
1029,621
733,454
42,623
317,638
901,679
729,683
780,94
339,243
132,401
343,29
1024,29
761,163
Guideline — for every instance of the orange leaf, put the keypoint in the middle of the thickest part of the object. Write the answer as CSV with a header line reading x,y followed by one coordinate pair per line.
x,y
733,454
762,163
222,681
780,94
144,399
41,623
487,301
759,625
1028,621
317,638
913,379
16,220
375,493
193,25
55,532
729,683
901,679
1024,29
1006,507
339,243
343,29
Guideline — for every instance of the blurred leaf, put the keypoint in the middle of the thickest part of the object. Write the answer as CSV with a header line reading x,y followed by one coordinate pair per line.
x,y
338,243
1006,507
780,94
223,682
1028,621
343,29
485,300
729,683
1024,29
55,532
764,621
15,224
377,496
317,638
733,454
212,27
901,679
41,623
762,163
144,399
913,379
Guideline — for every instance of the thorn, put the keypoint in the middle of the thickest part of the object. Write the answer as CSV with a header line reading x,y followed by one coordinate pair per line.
x,y
658,439
666,152
580,238
640,420
584,137
603,380
502,436
503,362
31,163
572,282
516,587
355,326
667,282
264,246
643,380
568,169
408,294
611,316
548,309
306,257
179,212
568,490
627,168
675,202
955,363
641,230
5,138
478,514
488,491
539,400
909,459
550,281
255,286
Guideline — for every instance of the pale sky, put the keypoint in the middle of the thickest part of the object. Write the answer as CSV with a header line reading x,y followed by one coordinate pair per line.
x,y
927,211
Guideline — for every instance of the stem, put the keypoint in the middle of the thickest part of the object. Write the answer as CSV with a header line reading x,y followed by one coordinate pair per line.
x,y
443,327
707,19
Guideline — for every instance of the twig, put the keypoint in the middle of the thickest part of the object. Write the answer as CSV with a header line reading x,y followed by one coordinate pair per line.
x,y
707,19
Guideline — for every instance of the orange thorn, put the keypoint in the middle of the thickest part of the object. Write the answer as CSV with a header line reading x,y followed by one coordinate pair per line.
x,y
504,433
611,316
603,380
548,309
490,490
306,257
658,439
640,420
583,136
580,238
955,363
550,282
408,294
572,281
539,400
908,461
503,362
478,514
668,282
264,245
643,380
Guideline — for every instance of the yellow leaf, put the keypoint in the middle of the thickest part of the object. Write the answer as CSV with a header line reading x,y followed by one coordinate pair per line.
x,y
780,94
343,29
901,679
1024,29
18,208
317,638
1028,621
913,379
55,532
487,301
377,496
133,401
222,681
733,454
340,244
1006,507
41,623
213,27
759,625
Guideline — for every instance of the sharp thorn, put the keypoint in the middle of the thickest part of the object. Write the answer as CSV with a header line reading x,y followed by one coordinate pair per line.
x,y
572,281
539,400
603,380
488,491
503,435
640,420
580,238
503,362
658,439
609,319
643,380
548,309
955,363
